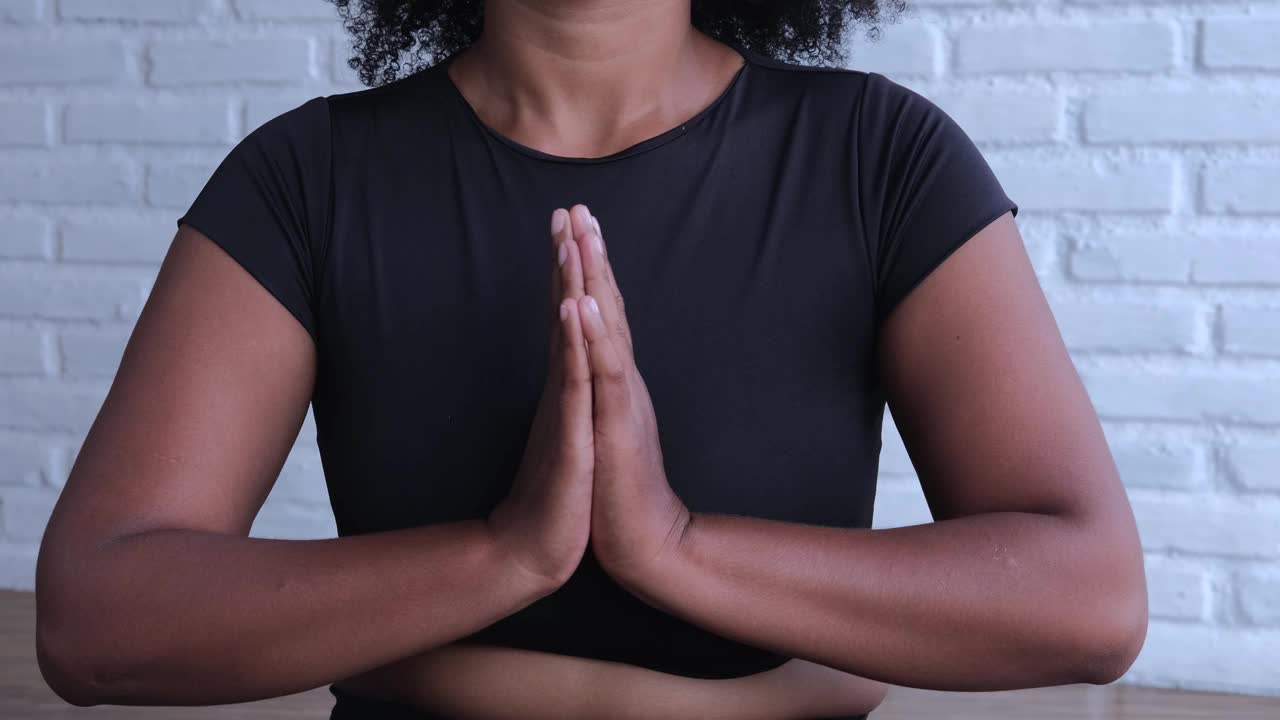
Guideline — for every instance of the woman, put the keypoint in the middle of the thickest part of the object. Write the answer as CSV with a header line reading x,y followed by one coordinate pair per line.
x,y
650,507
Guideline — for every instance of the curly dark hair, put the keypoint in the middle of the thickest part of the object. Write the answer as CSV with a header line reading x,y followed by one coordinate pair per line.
x,y
394,38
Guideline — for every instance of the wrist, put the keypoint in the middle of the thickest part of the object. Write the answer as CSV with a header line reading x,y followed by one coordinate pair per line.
x,y
513,571
667,570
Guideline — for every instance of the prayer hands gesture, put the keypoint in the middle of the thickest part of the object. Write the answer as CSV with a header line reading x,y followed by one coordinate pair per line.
x,y
593,467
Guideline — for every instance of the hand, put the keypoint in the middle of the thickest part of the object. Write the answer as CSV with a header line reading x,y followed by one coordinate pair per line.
x,y
545,520
636,518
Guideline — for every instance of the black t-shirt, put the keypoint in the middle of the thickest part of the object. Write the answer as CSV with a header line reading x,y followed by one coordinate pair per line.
x,y
759,245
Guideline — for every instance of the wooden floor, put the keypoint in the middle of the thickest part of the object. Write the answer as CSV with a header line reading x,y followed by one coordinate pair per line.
x,y
24,696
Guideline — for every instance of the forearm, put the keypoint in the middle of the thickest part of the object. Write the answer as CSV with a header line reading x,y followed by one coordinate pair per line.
x,y
986,602
185,617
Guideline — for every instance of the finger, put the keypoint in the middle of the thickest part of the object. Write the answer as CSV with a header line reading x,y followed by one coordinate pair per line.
x,y
559,219
575,396
624,327
608,372
595,280
570,278
571,273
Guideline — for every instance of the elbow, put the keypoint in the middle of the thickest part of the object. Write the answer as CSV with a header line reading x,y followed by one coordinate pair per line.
x,y
1115,634
64,667
59,641
1114,660
69,634
78,672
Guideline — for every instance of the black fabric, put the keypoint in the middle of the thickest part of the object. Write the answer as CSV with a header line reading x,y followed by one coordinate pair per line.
x,y
759,246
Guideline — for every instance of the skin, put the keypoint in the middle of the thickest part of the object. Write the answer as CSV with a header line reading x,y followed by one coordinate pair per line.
x,y
629,525
1034,546
1033,543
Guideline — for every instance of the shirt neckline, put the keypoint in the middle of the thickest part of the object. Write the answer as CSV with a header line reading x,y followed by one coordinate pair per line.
x,y
642,146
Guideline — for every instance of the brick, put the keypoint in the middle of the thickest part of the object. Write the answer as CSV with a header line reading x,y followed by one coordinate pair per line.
x,y
1176,589
1242,189
136,10
64,461
1116,46
284,10
1040,240
25,460
1235,261
1254,465
176,186
1207,525
24,237
93,352
907,50
24,512
18,565
25,123
23,351
1161,258
50,406
134,121
1256,593
136,240
1131,258
1251,330
19,11
342,74
258,110
251,60
39,291
1120,326
1241,43
62,61
1148,463
1191,396
1237,660
1082,185
60,181
1202,116
1003,117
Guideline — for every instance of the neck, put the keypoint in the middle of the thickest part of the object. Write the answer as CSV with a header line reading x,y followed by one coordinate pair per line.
x,y
589,76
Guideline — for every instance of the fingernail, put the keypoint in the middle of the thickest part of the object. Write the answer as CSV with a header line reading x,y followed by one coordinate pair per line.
x,y
564,312
562,253
596,222
557,221
597,244
592,307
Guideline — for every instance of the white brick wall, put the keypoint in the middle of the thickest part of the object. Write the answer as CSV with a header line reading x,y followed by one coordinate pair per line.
x,y
1140,138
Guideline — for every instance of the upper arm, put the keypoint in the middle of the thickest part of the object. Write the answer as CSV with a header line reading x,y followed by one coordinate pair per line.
x,y
216,377
211,391
975,372
985,396
982,389
996,419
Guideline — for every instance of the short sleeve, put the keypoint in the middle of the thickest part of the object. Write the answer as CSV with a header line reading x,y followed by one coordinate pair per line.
x,y
266,205
925,189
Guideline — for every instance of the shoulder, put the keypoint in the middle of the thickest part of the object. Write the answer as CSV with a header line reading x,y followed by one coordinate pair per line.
x,y
824,84
872,103
413,97
320,131
304,126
